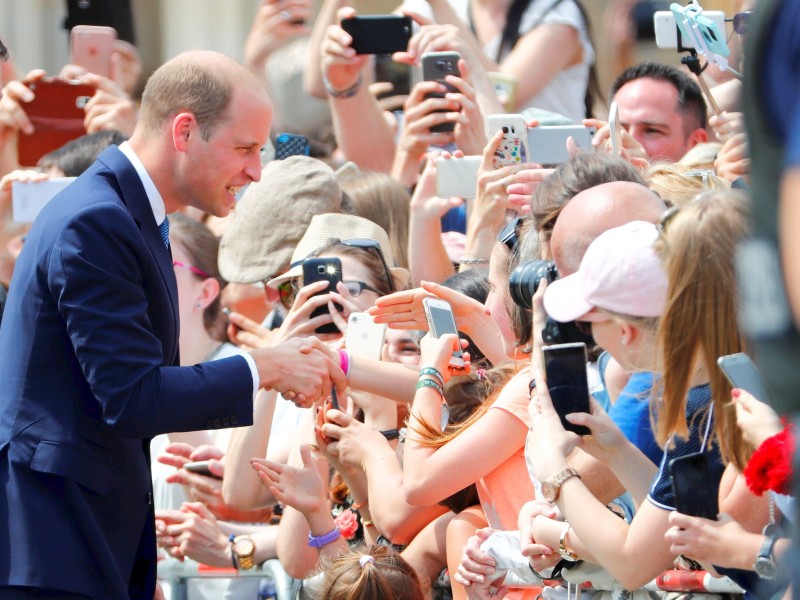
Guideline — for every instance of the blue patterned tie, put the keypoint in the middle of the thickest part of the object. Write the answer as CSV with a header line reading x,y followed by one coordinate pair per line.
x,y
164,229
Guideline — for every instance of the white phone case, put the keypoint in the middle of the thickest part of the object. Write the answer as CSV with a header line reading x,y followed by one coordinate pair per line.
x,y
364,336
457,177
513,149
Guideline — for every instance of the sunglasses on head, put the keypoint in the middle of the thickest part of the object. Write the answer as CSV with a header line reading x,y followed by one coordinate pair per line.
x,y
195,270
368,244
740,21
510,234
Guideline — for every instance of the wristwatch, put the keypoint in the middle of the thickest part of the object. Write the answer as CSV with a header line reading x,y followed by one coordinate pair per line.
x,y
551,488
765,565
243,549
562,545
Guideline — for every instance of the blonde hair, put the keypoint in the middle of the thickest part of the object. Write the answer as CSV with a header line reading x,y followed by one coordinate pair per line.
x,y
676,187
368,573
700,320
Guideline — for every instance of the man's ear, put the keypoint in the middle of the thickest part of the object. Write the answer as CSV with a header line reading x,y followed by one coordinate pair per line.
x,y
698,136
184,125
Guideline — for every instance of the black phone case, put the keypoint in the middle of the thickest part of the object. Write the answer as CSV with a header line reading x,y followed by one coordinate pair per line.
x,y
379,34
318,269
569,390
691,478
289,144
436,68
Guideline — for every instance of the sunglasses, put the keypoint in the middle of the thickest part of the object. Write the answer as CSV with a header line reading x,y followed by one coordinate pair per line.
x,y
510,234
288,292
195,270
368,244
668,215
740,21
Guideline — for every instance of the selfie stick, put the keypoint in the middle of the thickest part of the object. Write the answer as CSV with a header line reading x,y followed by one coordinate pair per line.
x,y
692,61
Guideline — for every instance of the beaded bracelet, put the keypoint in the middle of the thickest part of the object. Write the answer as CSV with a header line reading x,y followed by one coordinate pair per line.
x,y
347,93
359,505
470,260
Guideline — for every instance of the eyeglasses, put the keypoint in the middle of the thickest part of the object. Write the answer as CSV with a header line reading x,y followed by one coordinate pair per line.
x,y
368,244
510,234
740,21
666,217
288,292
195,270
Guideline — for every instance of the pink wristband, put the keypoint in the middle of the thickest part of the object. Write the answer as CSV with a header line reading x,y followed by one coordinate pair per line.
x,y
344,361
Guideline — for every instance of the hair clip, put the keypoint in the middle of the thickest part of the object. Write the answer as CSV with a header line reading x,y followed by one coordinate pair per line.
x,y
481,373
366,558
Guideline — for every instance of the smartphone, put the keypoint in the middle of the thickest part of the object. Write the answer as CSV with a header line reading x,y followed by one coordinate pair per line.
x,y
398,74
565,370
457,177
505,86
743,373
364,336
91,46
615,129
201,468
440,322
435,67
667,30
323,269
57,115
691,476
379,34
513,149
291,144
547,144
28,198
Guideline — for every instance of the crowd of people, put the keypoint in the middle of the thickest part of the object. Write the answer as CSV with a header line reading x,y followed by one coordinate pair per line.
x,y
212,354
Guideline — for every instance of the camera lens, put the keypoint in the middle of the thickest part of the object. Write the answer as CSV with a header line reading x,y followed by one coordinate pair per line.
x,y
441,65
524,280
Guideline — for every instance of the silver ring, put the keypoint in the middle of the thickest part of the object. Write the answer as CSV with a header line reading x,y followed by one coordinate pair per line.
x,y
285,15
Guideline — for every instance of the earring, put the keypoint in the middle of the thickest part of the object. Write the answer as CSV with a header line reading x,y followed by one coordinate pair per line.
x,y
197,305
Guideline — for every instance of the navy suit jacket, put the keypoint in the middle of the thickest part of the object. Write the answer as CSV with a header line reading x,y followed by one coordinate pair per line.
x,y
88,355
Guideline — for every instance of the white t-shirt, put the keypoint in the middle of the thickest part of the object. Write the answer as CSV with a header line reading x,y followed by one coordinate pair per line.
x,y
566,91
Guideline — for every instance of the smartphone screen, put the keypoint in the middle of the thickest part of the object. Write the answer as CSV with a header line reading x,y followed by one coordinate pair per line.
x,y
441,322
691,477
742,373
379,34
565,369
323,269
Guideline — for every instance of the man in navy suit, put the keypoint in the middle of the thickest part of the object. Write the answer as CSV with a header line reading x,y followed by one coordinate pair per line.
x,y
89,341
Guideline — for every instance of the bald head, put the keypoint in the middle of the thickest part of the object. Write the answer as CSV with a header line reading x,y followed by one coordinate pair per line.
x,y
595,211
200,82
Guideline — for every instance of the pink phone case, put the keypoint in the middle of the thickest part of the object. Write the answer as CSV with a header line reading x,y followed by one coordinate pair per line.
x,y
91,47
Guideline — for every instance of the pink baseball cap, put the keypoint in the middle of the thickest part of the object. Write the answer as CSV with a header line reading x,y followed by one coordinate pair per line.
x,y
620,272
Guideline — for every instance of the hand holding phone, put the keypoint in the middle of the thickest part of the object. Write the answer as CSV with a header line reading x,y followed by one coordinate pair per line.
x,y
565,370
440,322
741,372
323,269
378,34
436,66
615,129
364,336
513,149
91,47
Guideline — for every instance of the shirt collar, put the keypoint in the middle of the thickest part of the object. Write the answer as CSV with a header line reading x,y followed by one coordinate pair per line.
x,y
155,199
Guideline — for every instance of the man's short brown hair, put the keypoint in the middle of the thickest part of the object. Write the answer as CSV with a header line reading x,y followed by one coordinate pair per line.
x,y
191,86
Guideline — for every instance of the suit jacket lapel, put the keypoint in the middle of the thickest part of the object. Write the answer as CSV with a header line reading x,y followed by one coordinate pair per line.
x,y
135,198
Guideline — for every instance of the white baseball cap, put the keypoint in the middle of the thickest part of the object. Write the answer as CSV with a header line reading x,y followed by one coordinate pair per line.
x,y
620,272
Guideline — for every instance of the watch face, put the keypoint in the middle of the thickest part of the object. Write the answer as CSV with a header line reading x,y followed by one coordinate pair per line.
x,y
244,546
549,491
766,568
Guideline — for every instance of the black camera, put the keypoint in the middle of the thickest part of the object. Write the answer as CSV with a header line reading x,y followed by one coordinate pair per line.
x,y
522,285
524,280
